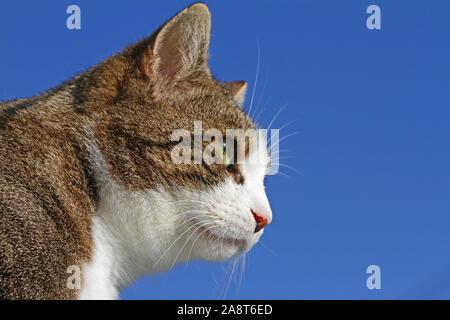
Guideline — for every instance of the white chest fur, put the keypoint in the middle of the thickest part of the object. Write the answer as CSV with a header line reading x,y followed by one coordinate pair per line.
x,y
132,233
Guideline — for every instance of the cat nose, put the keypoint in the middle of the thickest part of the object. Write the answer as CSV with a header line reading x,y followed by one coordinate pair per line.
x,y
261,220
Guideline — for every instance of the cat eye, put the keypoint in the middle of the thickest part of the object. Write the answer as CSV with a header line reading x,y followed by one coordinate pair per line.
x,y
226,159
229,157
230,162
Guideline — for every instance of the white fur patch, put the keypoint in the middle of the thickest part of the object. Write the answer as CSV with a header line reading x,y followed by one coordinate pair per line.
x,y
141,232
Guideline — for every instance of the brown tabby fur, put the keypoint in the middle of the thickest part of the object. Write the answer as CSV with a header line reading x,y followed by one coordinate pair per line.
x,y
130,103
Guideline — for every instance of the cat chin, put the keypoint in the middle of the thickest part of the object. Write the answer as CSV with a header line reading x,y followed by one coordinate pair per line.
x,y
215,250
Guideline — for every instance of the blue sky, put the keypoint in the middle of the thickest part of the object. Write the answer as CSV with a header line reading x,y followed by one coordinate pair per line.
x,y
369,176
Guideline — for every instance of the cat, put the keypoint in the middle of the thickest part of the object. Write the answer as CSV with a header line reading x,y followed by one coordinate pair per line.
x,y
88,187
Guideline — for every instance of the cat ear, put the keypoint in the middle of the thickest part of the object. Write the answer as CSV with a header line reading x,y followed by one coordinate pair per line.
x,y
238,90
180,46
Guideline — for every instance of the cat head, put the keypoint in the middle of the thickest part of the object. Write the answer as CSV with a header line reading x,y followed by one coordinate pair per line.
x,y
163,85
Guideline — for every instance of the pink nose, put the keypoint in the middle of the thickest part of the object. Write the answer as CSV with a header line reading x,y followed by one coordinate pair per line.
x,y
261,222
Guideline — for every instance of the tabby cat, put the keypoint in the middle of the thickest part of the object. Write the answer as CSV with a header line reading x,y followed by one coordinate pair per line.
x,y
88,185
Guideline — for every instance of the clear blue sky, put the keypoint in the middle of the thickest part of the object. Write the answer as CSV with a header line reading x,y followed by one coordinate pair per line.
x,y
370,177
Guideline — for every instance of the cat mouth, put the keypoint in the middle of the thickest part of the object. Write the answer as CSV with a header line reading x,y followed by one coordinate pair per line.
x,y
210,236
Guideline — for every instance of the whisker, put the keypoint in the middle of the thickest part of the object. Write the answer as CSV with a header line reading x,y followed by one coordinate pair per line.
x,y
230,278
282,127
283,174
267,248
283,138
179,216
193,244
187,240
260,98
256,80
289,167
282,150
241,275
173,243
275,117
